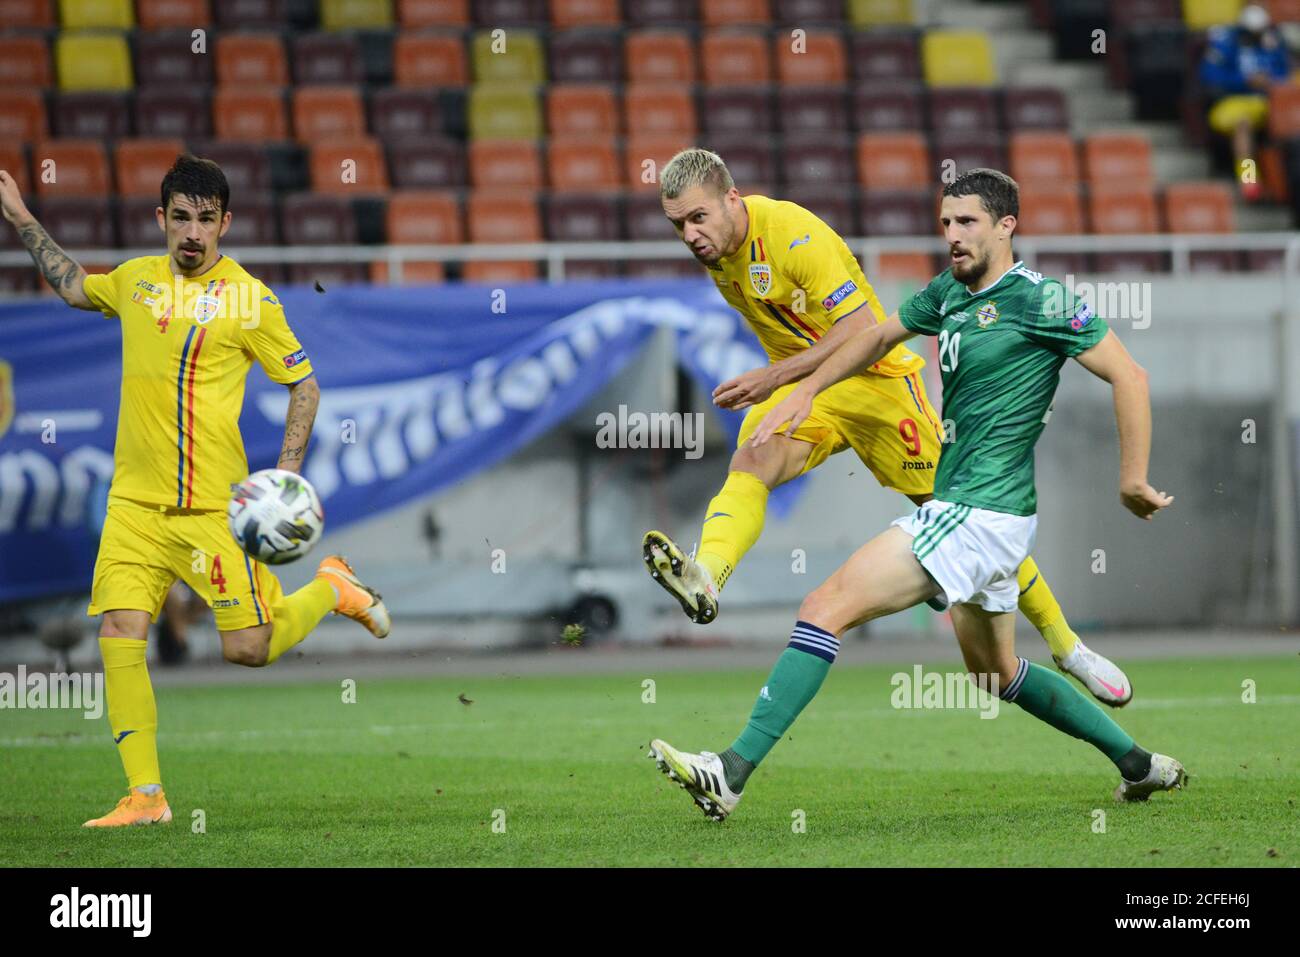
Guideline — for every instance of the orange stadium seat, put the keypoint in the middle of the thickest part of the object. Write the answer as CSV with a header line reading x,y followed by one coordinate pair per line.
x,y
173,14
27,14
495,164
722,13
14,162
645,155
140,164
412,14
650,108
431,59
1118,159
1123,209
585,13
80,168
22,116
820,63
581,109
907,267
1283,11
251,59
353,166
583,165
251,115
326,112
1284,111
1199,208
1044,158
499,216
1050,210
893,160
24,61
502,272
419,218
659,56
735,59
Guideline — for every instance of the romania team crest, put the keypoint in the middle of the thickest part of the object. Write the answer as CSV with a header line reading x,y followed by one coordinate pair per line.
x,y
6,397
760,277
987,315
205,309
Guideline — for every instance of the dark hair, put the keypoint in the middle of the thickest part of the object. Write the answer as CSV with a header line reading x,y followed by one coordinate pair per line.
x,y
198,179
999,194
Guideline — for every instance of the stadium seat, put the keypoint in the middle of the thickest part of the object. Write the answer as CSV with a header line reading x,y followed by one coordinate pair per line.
x,y
737,110
880,13
13,159
957,58
510,13
585,56
651,108
803,13
396,112
420,218
253,220
251,59
581,110
1155,62
28,14
725,13
1199,208
414,14
310,219
140,164
1050,209
1117,158
964,110
173,14
356,14
1043,158
90,115
819,161
644,217
1035,108
22,116
1060,265
735,59
1283,11
185,113
967,151
137,222
96,14
660,12
812,110
646,154
92,62
1122,209
433,163
820,62
350,166
892,161
502,217
504,112
24,61
890,55
659,56
1284,111
166,60
883,107
83,222
519,59
80,168
327,58
502,272
252,14
495,164
907,267
751,160
250,114
1127,13
415,272
834,205
567,14
583,218
1203,14
246,165
327,112
583,165
907,212
429,60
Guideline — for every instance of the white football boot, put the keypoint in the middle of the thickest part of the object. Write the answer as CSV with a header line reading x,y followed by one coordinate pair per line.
x,y
700,775
684,579
1166,774
1099,674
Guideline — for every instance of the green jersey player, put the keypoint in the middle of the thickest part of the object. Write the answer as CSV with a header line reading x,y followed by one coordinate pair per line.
x,y
1004,332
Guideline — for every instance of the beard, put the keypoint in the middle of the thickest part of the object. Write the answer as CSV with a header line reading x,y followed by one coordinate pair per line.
x,y
971,270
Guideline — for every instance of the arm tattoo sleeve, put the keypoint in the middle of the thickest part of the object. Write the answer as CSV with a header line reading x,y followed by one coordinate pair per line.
x,y
58,268
303,400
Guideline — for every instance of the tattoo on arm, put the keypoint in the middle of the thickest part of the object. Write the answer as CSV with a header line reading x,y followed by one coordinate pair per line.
x,y
59,269
303,400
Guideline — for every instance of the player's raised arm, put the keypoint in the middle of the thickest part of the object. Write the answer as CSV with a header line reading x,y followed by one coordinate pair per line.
x,y
61,271
1110,361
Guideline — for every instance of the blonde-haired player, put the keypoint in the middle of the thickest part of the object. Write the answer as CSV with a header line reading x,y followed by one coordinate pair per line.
x,y
801,290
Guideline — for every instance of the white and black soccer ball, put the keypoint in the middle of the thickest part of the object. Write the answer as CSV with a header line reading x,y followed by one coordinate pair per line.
x,y
276,516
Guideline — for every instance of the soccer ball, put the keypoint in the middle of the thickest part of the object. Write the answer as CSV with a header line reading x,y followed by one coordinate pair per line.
x,y
275,516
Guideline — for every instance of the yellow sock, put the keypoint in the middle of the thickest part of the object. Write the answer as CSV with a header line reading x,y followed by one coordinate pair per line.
x,y
1043,611
132,711
294,616
732,524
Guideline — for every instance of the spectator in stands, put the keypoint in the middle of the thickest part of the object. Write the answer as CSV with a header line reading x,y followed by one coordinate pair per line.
x,y
1241,63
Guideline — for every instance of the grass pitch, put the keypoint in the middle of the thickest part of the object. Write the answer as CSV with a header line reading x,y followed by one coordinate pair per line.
x,y
411,775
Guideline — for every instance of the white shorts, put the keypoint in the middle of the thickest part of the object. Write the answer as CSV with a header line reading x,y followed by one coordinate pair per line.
x,y
972,553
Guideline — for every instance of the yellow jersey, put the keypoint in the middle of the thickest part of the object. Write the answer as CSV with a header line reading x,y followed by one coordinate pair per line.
x,y
793,278
187,345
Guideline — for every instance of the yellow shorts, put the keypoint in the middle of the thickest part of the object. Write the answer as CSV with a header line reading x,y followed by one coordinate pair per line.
x,y
888,422
145,548
1233,110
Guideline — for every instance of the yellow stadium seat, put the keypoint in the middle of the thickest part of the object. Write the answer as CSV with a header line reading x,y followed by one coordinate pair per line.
x,y
1203,14
517,58
957,58
881,13
504,112
356,14
96,14
93,62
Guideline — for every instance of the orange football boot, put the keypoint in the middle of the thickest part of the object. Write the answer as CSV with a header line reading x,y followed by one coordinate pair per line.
x,y
357,600
136,808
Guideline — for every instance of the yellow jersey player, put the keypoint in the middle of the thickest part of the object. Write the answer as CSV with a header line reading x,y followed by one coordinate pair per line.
x,y
193,321
803,294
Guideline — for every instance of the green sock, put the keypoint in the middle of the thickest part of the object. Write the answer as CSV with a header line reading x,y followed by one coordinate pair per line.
x,y
794,680
735,769
1049,697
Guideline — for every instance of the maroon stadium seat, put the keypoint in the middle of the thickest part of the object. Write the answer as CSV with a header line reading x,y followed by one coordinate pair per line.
x,y
313,219
326,58
137,224
645,217
823,161
253,220
736,110
812,110
585,56
802,13
964,110
1035,108
511,13
1127,13
969,150
884,55
78,222
884,107
426,163
167,59
751,159
246,14
582,217
835,204
246,165
659,13
90,115
397,112
184,112
903,213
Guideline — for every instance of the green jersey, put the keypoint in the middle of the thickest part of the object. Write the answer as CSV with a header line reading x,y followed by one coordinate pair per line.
x,y
1000,354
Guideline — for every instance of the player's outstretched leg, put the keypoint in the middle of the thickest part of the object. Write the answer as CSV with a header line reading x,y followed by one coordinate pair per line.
x,y
987,642
1097,673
